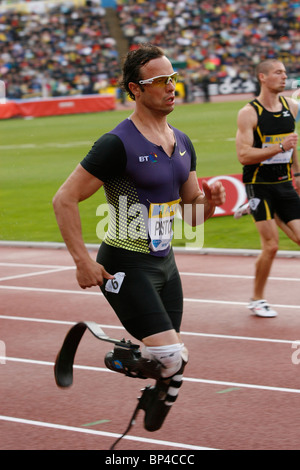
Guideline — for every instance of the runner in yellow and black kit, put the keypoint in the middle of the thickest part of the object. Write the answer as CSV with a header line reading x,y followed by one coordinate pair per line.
x,y
263,180
267,148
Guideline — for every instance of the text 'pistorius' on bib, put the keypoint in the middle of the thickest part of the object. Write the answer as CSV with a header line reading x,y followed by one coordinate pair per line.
x,y
160,224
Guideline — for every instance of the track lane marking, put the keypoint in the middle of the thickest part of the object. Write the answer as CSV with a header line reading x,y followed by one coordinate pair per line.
x,y
38,273
184,333
182,273
62,427
33,265
237,276
185,379
99,293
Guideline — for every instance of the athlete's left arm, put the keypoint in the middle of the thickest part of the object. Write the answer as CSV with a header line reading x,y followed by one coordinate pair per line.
x,y
295,108
192,197
296,169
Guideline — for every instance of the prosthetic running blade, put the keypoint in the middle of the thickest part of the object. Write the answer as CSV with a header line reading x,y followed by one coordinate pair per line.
x,y
63,369
154,407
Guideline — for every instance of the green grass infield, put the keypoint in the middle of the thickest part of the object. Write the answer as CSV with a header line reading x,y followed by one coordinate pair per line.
x,y
38,154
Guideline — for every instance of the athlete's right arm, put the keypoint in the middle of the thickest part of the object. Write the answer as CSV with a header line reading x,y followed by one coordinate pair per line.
x,y
79,186
247,154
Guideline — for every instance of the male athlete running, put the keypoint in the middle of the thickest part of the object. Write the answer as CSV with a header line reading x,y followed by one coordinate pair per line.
x,y
147,168
267,148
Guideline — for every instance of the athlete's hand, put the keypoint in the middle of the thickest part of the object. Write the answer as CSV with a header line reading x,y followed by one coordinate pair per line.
x,y
290,142
215,194
89,273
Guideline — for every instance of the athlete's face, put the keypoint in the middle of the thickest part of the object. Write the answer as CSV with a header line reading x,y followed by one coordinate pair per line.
x,y
160,94
276,78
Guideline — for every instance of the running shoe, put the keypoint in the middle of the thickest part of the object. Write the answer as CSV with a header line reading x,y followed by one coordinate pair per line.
x,y
244,209
262,309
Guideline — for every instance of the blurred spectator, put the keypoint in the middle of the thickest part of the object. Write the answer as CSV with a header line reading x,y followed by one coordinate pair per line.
x,y
226,37
62,50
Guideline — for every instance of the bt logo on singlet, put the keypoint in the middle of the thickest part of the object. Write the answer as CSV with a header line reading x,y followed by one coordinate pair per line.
x,y
152,157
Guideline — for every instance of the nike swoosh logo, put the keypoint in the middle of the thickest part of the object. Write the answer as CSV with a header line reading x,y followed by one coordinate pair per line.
x,y
182,153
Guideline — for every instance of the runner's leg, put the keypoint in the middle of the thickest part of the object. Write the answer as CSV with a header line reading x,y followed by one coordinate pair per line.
x,y
269,241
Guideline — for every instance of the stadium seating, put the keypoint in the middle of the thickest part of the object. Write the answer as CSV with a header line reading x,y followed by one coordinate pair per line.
x,y
61,50
65,50
225,38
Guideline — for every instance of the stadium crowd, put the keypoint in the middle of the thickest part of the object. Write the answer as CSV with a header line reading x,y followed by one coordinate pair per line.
x,y
69,50
224,38
61,51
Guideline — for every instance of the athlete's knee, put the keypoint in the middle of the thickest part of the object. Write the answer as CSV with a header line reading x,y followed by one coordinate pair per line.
x,y
270,248
172,357
165,364
153,363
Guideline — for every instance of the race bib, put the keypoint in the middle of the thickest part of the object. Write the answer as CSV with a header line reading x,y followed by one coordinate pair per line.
x,y
281,157
114,285
160,224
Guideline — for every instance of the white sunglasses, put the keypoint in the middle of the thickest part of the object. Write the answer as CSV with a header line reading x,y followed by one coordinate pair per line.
x,y
161,80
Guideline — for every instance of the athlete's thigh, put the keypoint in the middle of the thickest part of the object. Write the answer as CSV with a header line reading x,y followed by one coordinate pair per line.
x,y
138,304
287,205
172,298
260,201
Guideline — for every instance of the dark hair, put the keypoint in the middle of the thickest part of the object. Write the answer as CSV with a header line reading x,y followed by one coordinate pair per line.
x,y
136,59
265,66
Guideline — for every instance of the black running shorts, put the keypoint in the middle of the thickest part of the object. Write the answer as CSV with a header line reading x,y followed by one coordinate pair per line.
x,y
267,199
150,299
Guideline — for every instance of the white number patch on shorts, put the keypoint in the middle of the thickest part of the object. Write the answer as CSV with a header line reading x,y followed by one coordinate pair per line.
x,y
114,285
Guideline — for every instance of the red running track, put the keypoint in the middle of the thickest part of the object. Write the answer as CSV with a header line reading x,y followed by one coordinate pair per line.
x,y
241,387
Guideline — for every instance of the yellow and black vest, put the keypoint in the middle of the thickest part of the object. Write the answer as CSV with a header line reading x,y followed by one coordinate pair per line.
x,y
271,129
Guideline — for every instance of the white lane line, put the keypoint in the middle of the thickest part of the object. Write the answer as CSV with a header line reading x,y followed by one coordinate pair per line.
x,y
31,265
54,291
191,274
187,379
42,320
237,276
39,273
61,427
84,292
184,333
242,385
230,302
